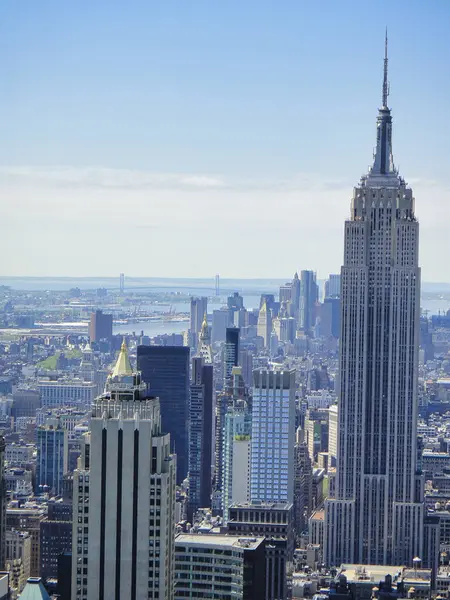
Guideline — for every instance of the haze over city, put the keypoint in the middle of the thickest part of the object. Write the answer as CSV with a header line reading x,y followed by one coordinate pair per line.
x,y
234,130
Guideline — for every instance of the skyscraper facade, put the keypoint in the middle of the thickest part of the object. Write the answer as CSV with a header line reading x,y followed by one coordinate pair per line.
x,y
264,328
199,307
52,456
204,342
124,496
231,358
273,435
376,515
236,444
100,326
333,286
201,418
309,294
165,369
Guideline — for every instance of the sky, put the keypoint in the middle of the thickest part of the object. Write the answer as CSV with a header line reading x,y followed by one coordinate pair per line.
x,y
186,138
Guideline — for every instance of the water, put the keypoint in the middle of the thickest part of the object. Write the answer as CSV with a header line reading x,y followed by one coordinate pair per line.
x,y
435,299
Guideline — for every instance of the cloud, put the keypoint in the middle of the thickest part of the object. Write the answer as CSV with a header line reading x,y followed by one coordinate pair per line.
x,y
127,179
100,177
96,221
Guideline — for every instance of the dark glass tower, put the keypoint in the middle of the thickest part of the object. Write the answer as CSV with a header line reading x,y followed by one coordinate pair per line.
x,y
200,436
165,369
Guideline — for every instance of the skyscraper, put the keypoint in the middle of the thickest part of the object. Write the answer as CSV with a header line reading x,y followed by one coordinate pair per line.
x,y
201,417
295,296
236,456
273,434
264,327
204,342
165,369
376,515
199,307
333,286
231,358
124,496
309,294
52,456
100,326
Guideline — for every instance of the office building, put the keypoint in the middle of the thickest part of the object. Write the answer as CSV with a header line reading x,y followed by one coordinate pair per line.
x,y
66,392
56,535
18,558
309,295
376,516
219,567
2,502
332,306
201,418
333,286
235,394
235,302
274,522
231,357
273,436
204,342
124,496
333,423
303,479
316,431
295,297
29,520
26,402
52,455
264,327
199,308
220,322
65,575
236,446
165,369
285,294
100,327
246,364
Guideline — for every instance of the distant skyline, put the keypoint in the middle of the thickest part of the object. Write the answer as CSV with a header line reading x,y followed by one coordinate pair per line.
x,y
201,137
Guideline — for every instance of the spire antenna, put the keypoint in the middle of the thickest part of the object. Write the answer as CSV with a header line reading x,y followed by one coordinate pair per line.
x,y
385,76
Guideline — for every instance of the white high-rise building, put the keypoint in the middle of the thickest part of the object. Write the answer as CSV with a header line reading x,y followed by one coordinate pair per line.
x,y
264,326
124,497
376,516
236,457
273,436
204,342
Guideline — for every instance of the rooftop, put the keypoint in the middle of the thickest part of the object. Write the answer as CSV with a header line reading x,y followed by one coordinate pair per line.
x,y
318,515
219,541
34,590
377,573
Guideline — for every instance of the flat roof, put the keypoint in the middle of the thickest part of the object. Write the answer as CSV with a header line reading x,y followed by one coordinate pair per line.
x,y
376,573
318,515
228,541
264,505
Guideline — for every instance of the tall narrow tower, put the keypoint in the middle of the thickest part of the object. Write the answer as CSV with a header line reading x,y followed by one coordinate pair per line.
x,y
377,513
124,496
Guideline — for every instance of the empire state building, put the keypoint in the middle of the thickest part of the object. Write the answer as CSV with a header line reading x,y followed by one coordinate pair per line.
x,y
375,512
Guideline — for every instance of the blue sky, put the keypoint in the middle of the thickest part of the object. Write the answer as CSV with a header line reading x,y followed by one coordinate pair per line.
x,y
210,121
